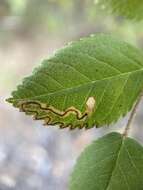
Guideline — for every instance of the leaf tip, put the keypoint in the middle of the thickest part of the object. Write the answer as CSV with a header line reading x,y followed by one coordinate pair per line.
x,y
9,100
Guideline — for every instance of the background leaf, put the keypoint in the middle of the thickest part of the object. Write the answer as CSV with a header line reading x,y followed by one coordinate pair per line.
x,y
112,162
93,81
132,9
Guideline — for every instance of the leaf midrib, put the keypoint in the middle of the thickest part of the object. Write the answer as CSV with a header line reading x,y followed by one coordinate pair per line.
x,y
79,86
116,162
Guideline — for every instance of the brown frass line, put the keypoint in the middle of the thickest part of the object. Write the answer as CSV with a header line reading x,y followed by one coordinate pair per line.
x,y
48,109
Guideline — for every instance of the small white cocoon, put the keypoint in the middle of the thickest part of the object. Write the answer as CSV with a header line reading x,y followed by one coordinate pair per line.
x,y
90,104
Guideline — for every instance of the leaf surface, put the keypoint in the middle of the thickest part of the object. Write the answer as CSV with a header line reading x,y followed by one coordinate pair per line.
x,y
131,9
90,82
112,162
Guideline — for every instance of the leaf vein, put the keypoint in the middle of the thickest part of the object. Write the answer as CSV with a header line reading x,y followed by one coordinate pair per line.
x,y
86,84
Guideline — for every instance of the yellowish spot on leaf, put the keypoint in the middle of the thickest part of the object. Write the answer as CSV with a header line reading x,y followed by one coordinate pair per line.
x,y
90,104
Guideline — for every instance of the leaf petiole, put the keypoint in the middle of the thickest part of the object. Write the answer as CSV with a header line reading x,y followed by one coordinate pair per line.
x,y
132,115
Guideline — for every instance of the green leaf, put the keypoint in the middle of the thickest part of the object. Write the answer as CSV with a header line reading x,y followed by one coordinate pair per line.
x,y
90,82
131,9
111,163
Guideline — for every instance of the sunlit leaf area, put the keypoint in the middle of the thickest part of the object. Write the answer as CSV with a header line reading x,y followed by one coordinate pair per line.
x,y
33,156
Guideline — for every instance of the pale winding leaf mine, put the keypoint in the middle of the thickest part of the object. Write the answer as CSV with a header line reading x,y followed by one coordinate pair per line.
x,y
35,108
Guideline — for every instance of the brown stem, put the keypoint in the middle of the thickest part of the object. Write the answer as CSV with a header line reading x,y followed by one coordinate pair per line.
x,y
132,115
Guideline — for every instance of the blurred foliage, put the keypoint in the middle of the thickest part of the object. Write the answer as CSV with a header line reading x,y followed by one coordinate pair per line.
x,y
130,9
17,6
60,17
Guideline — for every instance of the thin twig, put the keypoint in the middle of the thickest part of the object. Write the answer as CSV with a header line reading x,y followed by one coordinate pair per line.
x,y
132,115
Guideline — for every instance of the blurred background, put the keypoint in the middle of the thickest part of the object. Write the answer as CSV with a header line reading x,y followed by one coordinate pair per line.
x,y
34,157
